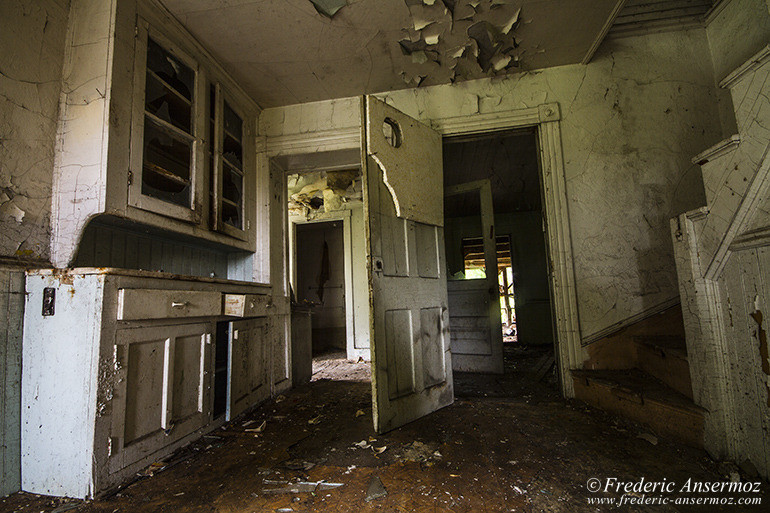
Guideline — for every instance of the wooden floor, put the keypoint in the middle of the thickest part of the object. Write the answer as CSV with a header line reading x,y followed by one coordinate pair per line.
x,y
480,454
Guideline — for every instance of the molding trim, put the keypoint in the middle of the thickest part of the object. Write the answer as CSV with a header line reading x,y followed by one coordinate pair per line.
x,y
753,239
753,63
719,149
756,191
481,123
698,214
312,142
609,330
716,10
563,287
603,32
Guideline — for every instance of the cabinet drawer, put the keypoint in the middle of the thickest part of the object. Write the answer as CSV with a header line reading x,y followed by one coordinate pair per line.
x,y
246,305
137,304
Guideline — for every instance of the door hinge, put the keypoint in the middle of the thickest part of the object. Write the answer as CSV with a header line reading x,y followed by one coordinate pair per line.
x,y
130,178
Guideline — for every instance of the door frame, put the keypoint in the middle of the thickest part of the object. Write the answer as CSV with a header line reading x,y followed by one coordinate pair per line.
x,y
347,250
546,119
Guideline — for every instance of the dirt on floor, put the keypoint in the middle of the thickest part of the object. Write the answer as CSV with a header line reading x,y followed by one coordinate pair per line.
x,y
528,451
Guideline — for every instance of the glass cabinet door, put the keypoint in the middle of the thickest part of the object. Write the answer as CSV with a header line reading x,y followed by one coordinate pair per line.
x,y
227,165
164,166
192,153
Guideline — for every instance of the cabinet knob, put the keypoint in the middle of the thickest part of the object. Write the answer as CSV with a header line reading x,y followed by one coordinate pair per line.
x,y
176,304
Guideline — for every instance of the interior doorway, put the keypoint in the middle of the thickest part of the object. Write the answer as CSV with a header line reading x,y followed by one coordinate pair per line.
x,y
321,283
327,266
501,247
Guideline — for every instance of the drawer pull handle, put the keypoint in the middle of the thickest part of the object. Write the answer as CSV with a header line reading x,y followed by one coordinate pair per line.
x,y
175,304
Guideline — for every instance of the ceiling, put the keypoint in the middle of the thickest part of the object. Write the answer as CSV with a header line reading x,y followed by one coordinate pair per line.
x,y
643,16
285,51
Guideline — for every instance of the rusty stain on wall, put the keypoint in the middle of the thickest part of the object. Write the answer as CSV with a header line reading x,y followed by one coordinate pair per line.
x,y
761,336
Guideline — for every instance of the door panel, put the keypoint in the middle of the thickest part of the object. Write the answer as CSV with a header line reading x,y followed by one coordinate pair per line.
x,y
474,304
412,373
248,382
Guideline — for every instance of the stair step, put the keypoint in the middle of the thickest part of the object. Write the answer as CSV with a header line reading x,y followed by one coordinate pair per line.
x,y
675,345
634,394
666,359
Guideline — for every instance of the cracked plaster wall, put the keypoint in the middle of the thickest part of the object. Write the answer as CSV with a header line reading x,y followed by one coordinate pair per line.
x,y
30,84
631,122
750,19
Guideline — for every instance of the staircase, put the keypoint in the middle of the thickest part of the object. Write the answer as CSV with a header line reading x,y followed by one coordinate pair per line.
x,y
650,384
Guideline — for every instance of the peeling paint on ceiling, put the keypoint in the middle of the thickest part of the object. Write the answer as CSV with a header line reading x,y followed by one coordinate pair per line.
x,y
328,7
286,51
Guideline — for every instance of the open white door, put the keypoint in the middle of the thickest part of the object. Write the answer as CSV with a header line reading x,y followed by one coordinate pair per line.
x,y
404,202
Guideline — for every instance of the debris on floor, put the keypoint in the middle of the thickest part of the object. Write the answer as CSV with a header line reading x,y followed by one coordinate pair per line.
x,y
527,451
298,487
419,452
648,437
154,468
375,490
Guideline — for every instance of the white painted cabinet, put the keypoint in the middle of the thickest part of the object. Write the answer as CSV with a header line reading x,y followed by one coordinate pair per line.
x,y
161,388
172,143
247,369
119,370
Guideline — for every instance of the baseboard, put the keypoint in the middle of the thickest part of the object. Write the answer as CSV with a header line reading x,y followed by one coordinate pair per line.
x,y
614,328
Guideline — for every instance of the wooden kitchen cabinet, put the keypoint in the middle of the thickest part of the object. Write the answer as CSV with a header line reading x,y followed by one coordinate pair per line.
x,y
172,142
119,371
247,369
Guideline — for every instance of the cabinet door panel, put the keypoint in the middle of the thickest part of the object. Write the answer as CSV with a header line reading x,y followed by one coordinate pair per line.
x,y
160,388
144,388
248,365
189,374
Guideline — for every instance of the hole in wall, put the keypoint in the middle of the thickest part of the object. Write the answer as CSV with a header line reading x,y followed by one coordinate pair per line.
x,y
392,132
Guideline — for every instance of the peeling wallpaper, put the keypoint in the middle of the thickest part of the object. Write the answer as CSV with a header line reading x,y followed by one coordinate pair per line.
x,y
631,122
30,81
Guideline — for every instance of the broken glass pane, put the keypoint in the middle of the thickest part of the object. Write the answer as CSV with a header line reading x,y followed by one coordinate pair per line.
x,y
233,123
232,148
170,69
232,184
231,215
166,167
167,104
